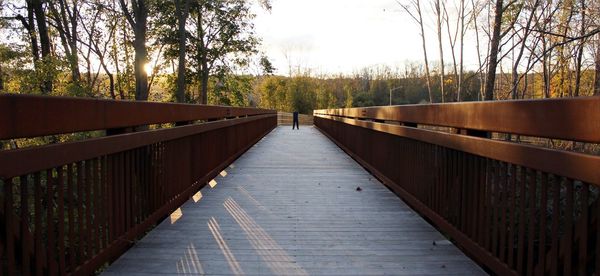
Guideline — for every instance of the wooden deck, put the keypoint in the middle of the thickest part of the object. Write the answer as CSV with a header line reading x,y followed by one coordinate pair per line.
x,y
290,206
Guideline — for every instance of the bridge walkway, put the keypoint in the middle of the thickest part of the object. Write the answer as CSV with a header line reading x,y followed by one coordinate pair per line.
x,y
290,206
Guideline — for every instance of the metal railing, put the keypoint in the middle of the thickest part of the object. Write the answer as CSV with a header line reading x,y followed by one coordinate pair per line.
x,y
69,208
515,208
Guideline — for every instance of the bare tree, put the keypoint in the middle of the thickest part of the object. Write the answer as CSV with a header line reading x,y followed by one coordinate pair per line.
x,y
476,11
461,49
416,5
579,51
516,62
65,19
438,13
452,40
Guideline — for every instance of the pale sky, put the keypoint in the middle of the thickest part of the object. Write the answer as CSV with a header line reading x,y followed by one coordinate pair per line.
x,y
331,36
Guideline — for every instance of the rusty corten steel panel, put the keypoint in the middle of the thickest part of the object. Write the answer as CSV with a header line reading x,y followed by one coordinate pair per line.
x,y
117,187
576,119
516,209
571,164
23,116
27,160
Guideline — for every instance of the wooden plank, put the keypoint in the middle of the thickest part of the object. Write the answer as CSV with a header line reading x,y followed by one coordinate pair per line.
x,y
290,205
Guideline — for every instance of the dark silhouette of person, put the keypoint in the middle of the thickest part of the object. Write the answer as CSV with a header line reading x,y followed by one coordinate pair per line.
x,y
295,121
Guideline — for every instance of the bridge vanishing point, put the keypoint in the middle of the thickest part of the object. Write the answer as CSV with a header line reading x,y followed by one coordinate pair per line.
x,y
208,190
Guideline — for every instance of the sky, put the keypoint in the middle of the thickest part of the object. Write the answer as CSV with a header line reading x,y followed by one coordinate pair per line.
x,y
340,36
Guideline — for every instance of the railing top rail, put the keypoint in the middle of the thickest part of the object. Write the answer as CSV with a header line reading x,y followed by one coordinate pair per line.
x,y
23,116
576,119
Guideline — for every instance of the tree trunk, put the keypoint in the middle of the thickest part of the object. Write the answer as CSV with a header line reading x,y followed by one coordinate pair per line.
x,y
40,17
461,50
181,7
494,48
481,92
30,26
517,61
439,35
139,45
579,58
428,80
204,88
597,69
452,41
203,70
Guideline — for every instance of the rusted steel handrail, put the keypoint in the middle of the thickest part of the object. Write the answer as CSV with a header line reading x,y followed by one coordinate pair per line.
x,y
515,208
576,119
69,208
31,116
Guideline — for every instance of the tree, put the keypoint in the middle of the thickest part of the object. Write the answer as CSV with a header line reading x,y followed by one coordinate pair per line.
x,y
65,19
137,18
223,38
494,48
438,14
416,5
40,17
182,12
266,65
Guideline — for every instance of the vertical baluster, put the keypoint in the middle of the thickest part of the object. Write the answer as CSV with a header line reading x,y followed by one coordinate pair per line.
x,y
51,245
103,202
89,182
568,253
25,257
497,205
467,190
482,200
126,192
39,245
143,183
136,186
80,230
503,177
489,208
521,242
474,191
151,179
512,219
543,207
438,182
133,180
583,250
110,200
119,194
60,190
95,205
71,216
532,220
10,226
555,221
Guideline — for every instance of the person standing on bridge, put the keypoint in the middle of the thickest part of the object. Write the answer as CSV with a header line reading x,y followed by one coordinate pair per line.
x,y
295,121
